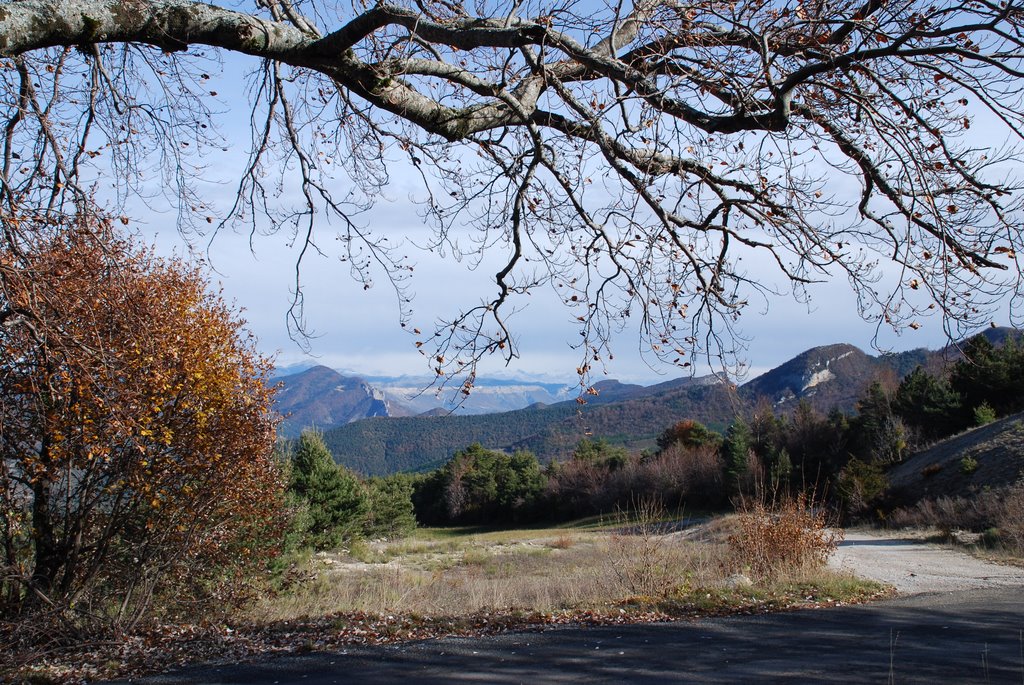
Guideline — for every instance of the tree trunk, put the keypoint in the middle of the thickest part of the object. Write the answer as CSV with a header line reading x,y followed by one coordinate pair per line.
x,y
47,558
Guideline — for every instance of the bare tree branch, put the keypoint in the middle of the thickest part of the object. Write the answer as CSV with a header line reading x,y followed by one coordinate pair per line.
x,y
635,159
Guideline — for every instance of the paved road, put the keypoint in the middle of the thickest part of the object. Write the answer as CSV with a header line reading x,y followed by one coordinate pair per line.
x,y
972,636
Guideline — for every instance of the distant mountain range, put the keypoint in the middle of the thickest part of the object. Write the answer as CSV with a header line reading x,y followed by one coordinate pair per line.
x,y
489,395
321,397
317,396
626,414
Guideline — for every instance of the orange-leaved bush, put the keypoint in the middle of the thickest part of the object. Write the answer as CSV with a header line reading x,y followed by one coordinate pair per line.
x,y
775,536
136,430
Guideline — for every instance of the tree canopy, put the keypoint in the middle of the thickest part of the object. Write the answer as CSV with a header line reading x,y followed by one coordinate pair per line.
x,y
645,160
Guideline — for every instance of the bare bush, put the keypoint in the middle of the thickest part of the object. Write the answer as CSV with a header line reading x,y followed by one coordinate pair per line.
x,y
998,510
639,555
1010,517
950,513
677,475
776,537
689,474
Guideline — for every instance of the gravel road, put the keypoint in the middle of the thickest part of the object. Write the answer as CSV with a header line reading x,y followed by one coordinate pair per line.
x,y
914,567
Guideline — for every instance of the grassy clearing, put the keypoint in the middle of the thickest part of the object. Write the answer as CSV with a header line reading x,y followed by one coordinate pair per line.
x,y
578,568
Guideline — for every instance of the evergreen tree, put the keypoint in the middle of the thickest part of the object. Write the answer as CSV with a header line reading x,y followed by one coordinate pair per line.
x,y
688,433
990,374
881,434
780,471
391,512
600,452
337,501
735,455
814,445
929,405
768,431
482,485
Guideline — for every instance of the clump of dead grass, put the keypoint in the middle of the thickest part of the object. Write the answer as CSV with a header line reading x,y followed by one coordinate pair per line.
x,y
562,542
774,538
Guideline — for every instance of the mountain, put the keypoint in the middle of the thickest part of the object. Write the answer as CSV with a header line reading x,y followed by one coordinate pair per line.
x,y
625,414
826,377
282,371
489,395
380,446
322,397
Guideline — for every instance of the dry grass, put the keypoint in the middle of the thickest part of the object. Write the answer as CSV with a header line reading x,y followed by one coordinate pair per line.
x,y
533,571
465,582
451,579
998,513
1010,517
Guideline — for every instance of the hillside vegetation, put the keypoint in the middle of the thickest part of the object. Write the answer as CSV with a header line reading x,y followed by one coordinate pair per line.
x,y
823,378
382,446
858,460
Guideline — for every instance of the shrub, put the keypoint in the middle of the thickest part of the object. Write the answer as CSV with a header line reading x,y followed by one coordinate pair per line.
x,y
135,433
1010,517
950,513
984,414
562,542
991,538
931,470
968,465
789,533
639,554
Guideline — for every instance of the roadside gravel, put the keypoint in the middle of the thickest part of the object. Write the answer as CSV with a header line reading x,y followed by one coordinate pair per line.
x,y
915,567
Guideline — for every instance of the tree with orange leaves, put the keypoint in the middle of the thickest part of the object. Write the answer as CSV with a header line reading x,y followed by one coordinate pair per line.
x,y
135,427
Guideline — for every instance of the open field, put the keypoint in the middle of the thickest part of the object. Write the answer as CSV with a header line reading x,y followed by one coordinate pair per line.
x,y
586,566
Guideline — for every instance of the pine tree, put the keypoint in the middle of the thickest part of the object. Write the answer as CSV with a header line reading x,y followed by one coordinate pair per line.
x,y
338,502
929,405
990,374
735,454
391,508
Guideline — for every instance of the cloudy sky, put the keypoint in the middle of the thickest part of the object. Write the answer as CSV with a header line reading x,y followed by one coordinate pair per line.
x,y
358,331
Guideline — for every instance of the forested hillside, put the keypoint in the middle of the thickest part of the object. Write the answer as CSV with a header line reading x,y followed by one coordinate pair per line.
x,y
824,378
379,446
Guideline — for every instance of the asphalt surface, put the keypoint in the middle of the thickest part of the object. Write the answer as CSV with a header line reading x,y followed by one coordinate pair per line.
x,y
973,636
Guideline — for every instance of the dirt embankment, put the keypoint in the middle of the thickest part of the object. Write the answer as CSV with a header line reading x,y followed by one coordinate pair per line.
x,y
995,454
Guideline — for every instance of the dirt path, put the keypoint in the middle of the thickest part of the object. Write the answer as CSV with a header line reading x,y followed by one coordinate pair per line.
x,y
914,567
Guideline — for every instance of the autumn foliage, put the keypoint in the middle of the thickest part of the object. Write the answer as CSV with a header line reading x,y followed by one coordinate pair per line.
x,y
135,431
